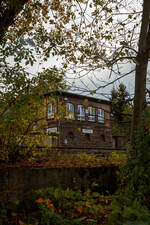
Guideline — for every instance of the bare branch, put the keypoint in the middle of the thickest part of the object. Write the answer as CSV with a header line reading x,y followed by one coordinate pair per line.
x,y
114,80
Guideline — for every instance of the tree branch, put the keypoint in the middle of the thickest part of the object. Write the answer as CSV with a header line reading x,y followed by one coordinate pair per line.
x,y
114,80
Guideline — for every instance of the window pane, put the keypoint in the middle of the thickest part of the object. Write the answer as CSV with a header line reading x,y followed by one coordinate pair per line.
x,y
70,111
91,116
101,115
81,112
50,111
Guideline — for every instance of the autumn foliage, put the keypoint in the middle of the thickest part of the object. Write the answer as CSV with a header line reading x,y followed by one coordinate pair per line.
x,y
23,114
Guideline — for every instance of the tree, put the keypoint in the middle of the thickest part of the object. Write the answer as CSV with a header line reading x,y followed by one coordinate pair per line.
x,y
121,110
23,114
120,99
141,72
21,92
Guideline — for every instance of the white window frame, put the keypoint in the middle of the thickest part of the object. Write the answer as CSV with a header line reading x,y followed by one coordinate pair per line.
x,y
50,111
69,110
101,115
80,112
91,116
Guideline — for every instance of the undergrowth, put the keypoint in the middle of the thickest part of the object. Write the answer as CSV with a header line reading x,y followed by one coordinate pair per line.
x,y
131,203
57,207
61,159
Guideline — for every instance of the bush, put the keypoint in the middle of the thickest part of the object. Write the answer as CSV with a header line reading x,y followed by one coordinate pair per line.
x,y
57,206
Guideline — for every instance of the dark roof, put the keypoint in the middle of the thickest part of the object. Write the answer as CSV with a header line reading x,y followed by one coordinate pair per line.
x,y
73,95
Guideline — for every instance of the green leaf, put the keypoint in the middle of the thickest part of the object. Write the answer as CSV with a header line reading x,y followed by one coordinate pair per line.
x,y
110,20
124,43
130,16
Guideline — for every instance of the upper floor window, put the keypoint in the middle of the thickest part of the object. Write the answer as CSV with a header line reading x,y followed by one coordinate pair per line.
x,y
91,116
81,112
101,115
50,111
69,111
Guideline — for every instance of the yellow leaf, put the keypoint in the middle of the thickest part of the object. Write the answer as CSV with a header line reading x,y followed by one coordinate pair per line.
x,y
85,100
87,204
106,201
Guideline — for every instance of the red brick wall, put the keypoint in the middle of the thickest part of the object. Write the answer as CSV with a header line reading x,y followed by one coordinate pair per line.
x,y
71,132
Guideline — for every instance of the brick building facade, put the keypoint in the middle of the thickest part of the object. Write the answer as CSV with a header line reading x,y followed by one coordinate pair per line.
x,y
78,121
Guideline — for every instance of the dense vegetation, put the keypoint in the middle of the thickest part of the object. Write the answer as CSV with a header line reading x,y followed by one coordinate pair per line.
x,y
57,207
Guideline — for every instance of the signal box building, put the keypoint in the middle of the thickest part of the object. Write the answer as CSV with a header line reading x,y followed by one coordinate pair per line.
x,y
77,121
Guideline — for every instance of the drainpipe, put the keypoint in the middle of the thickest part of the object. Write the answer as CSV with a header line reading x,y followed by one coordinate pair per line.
x,y
58,124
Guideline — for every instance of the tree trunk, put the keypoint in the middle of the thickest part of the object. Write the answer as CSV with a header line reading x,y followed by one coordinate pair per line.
x,y
141,72
9,13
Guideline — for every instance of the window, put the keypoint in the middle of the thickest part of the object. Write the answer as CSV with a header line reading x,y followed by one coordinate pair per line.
x,y
102,137
70,135
88,137
69,111
50,111
100,115
81,112
91,116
